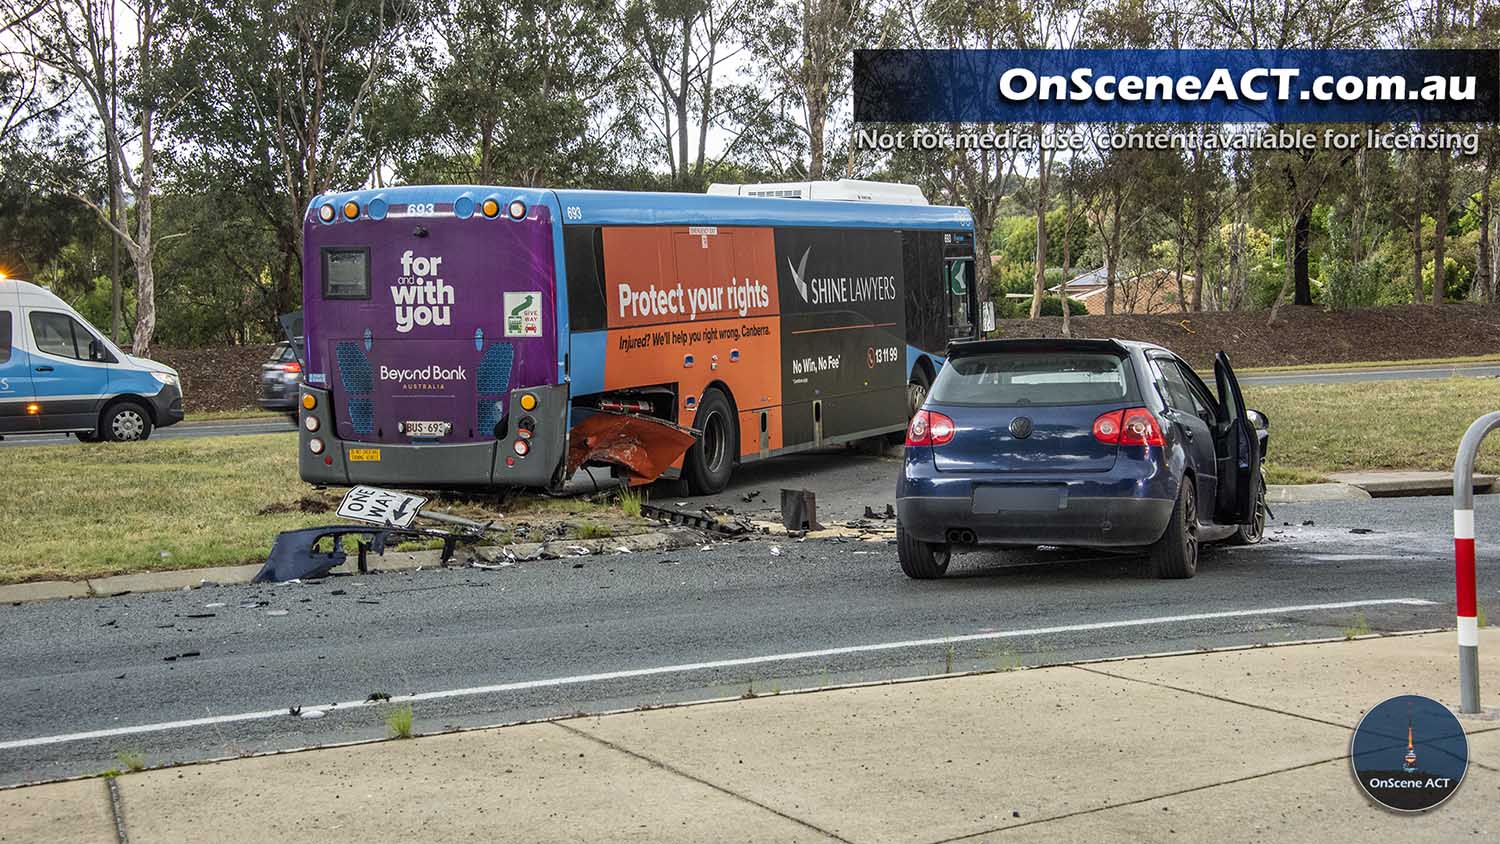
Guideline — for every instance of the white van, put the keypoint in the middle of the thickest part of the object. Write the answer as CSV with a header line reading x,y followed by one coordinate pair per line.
x,y
60,374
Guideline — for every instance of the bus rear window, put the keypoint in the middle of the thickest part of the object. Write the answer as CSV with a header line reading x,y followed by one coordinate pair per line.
x,y
1022,379
346,273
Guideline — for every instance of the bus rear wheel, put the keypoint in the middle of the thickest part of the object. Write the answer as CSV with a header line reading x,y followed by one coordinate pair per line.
x,y
711,460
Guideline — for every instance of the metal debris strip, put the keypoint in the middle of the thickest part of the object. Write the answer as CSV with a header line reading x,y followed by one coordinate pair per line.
x,y
703,520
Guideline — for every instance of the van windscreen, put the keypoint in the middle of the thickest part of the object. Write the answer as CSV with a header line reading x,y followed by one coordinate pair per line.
x,y
1010,378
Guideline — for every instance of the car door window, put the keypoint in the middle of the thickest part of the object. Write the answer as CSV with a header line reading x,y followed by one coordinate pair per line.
x,y
1202,404
53,334
5,332
1178,396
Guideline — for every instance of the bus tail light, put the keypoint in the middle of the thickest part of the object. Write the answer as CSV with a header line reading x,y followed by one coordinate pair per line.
x,y
516,209
315,445
309,401
528,402
929,428
490,208
310,423
326,213
351,210
521,447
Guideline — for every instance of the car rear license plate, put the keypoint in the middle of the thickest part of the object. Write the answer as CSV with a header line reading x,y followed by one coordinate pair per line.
x,y
426,429
1026,498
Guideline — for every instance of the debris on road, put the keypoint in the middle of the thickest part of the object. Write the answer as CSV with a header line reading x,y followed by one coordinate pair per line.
x,y
799,510
890,512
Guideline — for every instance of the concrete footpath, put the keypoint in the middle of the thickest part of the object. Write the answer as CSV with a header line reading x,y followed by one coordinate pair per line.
x,y
1247,745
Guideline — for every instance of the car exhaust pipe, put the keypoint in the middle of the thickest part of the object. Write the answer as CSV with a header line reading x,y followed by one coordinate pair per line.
x,y
962,536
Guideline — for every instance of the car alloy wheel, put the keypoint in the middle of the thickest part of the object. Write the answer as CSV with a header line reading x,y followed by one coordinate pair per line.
x,y
1190,530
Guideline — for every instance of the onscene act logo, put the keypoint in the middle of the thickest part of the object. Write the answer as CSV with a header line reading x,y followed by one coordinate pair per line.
x,y
1409,753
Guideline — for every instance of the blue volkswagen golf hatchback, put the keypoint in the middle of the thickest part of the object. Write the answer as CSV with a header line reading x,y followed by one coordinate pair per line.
x,y
1079,443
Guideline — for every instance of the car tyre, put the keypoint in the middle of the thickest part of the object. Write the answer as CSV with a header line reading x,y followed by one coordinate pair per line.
x,y
921,560
711,460
1255,530
125,421
1175,555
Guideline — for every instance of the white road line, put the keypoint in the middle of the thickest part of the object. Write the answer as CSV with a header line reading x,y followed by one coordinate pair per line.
x,y
683,668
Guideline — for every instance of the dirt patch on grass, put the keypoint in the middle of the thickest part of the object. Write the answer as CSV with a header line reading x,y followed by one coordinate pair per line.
x,y
216,378
305,504
1301,335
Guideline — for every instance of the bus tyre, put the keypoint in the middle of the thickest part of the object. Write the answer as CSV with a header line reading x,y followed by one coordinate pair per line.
x,y
1175,555
916,391
921,560
711,460
125,421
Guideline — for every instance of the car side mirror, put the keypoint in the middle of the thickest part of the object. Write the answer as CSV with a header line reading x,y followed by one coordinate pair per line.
x,y
95,352
1258,420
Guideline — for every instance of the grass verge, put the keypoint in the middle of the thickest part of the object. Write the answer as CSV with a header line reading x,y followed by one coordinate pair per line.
x,y
116,508
1318,429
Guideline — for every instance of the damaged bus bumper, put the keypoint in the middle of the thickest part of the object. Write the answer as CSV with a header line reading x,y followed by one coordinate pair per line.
x,y
495,462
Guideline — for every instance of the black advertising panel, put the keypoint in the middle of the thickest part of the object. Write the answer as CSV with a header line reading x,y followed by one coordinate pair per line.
x,y
842,311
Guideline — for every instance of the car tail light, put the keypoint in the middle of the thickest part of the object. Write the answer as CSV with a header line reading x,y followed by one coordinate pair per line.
x,y
1132,426
929,428
291,366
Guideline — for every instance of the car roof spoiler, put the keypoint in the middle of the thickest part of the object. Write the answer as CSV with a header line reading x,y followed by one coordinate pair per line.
x,y
963,348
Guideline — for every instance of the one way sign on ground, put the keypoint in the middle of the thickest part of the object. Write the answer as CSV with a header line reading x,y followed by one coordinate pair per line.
x,y
378,506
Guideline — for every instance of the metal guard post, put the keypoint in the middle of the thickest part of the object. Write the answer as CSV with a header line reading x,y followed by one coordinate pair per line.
x,y
1463,560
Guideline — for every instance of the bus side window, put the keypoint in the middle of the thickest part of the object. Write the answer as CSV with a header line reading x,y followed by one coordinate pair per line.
x,y
5,332
583,252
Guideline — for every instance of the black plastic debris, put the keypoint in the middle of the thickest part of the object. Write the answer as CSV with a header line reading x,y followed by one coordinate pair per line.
x,y
799,510
295,553
377,697
890,513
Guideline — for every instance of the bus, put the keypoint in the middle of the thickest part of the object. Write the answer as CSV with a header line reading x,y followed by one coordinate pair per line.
x,y
468,336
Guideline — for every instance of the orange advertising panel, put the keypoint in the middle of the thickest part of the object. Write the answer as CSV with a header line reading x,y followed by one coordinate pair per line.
x,y
691,306
660,274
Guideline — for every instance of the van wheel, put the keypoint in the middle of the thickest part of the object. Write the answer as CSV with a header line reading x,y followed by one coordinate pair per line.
x,y
1255,530
126,422
1175,555
711,459
921,560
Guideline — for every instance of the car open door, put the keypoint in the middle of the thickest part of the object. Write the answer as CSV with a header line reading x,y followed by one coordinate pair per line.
x,y
1238,450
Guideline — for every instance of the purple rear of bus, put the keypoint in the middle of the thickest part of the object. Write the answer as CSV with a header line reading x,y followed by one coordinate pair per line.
x,y
432,338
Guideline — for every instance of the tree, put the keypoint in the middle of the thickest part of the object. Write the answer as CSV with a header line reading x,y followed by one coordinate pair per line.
x,y
525,86
805,47
682,44
76,38
280,92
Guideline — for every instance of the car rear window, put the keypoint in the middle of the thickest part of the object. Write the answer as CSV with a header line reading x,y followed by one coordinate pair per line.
x,y
1012,378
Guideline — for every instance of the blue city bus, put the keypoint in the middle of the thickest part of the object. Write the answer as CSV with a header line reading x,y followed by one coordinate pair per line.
x,y
484,336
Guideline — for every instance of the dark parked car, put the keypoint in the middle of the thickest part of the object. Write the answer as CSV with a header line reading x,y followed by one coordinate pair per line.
x,y
280,380
1080,443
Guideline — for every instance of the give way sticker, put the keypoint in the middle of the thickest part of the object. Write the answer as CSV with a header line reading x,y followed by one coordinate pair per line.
x,y
384,507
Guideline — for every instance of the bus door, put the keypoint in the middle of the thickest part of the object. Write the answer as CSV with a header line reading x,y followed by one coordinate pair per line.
x,y
958,285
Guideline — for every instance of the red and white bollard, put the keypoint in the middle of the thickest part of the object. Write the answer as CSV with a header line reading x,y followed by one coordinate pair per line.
x,y
1463,561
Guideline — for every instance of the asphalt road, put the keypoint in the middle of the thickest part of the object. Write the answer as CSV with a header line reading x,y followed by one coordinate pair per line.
x,y
1391,373
594,634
